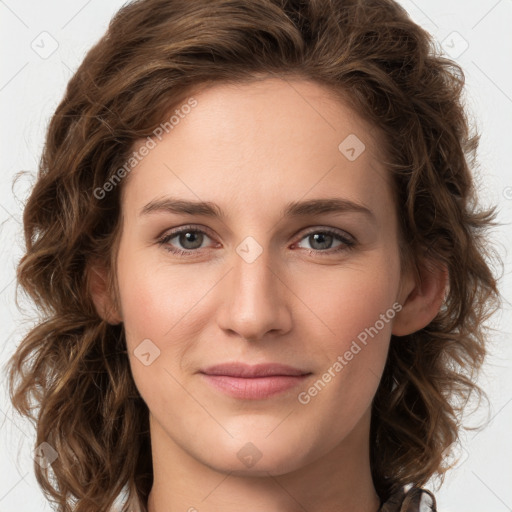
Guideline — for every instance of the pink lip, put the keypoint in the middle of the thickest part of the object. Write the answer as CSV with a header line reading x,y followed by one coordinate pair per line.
x,y
253,382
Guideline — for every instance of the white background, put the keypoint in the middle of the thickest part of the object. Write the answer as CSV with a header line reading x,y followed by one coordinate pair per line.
x,y
32,86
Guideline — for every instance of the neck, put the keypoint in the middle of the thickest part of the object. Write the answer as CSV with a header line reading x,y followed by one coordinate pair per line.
x,y
336,481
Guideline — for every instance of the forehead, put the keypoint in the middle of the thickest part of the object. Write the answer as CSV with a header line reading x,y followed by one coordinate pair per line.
x,y
302,107
264,137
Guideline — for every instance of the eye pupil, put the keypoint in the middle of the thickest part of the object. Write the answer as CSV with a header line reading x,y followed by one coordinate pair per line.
x,y
189,236
321,238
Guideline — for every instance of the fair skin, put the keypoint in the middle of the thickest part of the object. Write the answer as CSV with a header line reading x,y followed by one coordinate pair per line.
x,y
252,149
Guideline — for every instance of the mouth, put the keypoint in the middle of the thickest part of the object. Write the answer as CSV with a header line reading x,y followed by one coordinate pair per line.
x,y
256,382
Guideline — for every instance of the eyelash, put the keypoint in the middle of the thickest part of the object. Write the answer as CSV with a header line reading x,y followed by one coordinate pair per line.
x,y
347,244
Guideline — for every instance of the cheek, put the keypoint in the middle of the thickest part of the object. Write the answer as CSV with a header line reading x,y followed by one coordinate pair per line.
x,y
157,299
346,301
353,311
159,304
169,306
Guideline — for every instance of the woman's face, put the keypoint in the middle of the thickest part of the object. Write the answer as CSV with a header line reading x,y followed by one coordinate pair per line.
x,y
301,269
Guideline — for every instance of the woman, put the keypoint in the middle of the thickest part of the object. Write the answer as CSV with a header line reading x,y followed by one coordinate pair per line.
x,y
195,354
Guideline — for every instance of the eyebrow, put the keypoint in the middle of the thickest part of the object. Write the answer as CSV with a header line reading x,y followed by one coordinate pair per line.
x,y
292,209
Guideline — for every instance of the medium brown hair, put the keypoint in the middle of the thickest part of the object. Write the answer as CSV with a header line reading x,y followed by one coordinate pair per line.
x,y
74,366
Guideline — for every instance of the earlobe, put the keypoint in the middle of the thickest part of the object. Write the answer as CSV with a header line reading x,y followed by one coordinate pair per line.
x,y
97,278
423,299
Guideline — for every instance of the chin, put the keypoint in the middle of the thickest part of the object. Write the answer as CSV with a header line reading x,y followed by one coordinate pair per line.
x,y
258,456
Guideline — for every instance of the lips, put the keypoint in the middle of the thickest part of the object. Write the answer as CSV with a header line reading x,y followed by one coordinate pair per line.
x,y
259,370
253,382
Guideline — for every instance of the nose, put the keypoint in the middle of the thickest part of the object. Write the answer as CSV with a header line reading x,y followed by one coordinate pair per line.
x,y
255,301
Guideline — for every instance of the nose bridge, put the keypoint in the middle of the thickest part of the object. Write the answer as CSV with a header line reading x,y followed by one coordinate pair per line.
x,y
255,300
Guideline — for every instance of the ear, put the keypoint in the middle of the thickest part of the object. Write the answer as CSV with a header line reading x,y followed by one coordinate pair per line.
x,y
422,296
97,277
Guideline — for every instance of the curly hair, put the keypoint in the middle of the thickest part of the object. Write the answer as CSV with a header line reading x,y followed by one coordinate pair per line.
x,y
72,367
